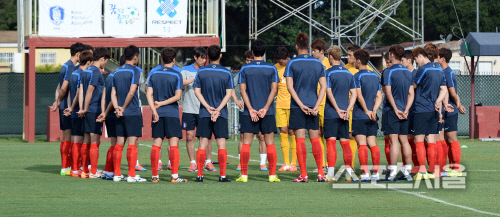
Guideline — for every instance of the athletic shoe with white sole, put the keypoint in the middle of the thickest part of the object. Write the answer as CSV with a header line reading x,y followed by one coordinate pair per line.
x,y
137,178
94,176
119,178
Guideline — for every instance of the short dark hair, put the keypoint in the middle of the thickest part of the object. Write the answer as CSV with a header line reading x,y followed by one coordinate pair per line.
x,y
446,54
408,54
353,47
88,47
281,53
75,48
168,55
433,49
100,52
249,54
258,47
86,57
420,51
319,44
397,51
362,55
130,52
122,60
199,52
302,41
386,56
213,52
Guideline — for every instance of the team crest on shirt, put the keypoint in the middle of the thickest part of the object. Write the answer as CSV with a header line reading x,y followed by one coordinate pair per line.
x,y
258,63
214,66
305,56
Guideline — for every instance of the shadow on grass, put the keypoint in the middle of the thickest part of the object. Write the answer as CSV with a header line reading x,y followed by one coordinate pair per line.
x,y
51,169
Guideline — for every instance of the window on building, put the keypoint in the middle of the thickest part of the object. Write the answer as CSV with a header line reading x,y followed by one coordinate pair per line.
x,y
484,68
7,57
456,67
47,58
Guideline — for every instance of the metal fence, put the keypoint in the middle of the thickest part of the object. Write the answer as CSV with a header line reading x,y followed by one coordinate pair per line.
x,y
12,89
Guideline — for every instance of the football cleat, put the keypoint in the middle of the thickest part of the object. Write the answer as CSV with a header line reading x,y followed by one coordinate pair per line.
x,y
109,176
389,178
293,168
139,167
365,179
84,175
155,179
263,167
178,179
274,178
73,174
137,178
94,176
160,166
420,176
104,175
455,173
244,178
192,168
431,176
225,179
300,179
330,179
322,178
210,167
375,178
199,179
119,178
284,167
238,168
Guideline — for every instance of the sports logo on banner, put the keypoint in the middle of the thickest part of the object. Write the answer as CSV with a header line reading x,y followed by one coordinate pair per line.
x,y
167,18
70,18
124,17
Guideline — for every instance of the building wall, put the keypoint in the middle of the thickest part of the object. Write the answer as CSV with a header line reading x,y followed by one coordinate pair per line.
x,y
60,57
488,65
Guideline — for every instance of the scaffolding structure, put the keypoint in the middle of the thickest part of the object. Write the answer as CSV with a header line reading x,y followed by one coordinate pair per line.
x,y
338,30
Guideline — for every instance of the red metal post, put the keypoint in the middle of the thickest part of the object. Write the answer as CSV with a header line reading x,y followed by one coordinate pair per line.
x,y
29,96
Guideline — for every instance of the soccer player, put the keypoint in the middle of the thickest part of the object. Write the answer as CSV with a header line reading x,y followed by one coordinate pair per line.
x,y
61,102
318,47
302,76
364,120
340,83
92,83
258,86
76,122
387,147
407,62
164,90
191,108
213,86
451,147
430,90
125,100
352,68
283,113
398,89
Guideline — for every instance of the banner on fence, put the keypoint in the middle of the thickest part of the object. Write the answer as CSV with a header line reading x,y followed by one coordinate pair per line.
x,y
124,18
70,18
167,18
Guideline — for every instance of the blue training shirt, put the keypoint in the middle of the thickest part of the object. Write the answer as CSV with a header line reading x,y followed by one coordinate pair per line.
x,y
258,75
369,83
214,80
429,80
125,76
306,72
108,83
399,78
74,84
341,81
412,108
451,81
165,81
92,76
64,75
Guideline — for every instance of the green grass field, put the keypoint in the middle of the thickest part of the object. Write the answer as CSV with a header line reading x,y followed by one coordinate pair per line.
x,y
31,185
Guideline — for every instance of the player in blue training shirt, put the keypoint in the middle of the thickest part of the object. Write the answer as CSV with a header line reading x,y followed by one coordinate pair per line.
x,y
451,147
364,115
340,83
92,84
61,103
163,91
430,90
125,98
76,122
258,86
302,76
398,88
213,86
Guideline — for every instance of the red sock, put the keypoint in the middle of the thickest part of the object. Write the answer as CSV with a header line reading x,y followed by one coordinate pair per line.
x,y
94,157
347,153
387,150
64,154
61,147
132,159
70,154
318,155
363,157
413,152
331,152
439,156
109,159
244,158
117,159
375,158
300,156
76,155
271,157
85,157
421,155
174,159
154,157
456,154
201,156
222,155
431,152
444,157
